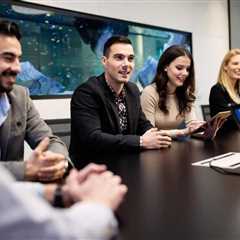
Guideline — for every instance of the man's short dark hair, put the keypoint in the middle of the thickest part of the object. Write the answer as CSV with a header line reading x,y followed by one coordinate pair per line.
x,y
9,29
112,40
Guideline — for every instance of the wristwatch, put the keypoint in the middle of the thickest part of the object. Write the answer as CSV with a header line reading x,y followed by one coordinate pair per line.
x,y
58,197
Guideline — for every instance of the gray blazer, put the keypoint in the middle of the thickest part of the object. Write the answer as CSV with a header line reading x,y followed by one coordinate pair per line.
x,y
24,123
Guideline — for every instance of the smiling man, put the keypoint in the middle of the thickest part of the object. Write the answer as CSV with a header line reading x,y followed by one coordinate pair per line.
x,y
19,120
105,111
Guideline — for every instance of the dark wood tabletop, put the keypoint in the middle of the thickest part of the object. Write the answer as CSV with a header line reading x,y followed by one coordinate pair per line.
x,y
168,198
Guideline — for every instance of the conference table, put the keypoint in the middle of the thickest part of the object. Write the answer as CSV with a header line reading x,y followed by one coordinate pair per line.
x,y
168,198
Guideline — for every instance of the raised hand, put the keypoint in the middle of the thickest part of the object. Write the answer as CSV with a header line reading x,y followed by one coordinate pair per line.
x,y
44,165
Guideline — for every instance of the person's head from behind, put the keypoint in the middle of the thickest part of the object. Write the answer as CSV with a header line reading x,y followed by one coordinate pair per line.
x,y
175,74
118,59
10,53
229,73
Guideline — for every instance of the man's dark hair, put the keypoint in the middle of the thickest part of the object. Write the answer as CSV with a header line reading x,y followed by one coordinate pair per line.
x,y
9,29
113,40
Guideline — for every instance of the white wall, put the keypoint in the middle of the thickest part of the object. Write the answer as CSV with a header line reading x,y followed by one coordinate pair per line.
x,y
235,19
206,19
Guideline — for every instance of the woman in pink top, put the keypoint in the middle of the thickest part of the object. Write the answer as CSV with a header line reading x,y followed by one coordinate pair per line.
x,y
168,101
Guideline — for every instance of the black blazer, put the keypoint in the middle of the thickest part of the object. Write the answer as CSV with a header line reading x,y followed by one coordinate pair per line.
x,y
219,101
95,122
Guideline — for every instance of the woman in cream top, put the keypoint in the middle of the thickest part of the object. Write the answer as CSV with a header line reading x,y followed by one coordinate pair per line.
x,y
168,101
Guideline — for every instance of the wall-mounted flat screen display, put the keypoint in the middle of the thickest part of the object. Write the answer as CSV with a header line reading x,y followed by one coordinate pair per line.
x,y
62,49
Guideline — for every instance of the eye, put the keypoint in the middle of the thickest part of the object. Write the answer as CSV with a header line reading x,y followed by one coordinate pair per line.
x,y
179,67
235,63
119,57
8,57
131,58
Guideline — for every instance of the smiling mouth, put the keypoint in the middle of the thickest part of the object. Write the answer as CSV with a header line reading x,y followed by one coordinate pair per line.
x,y
124,72
181,79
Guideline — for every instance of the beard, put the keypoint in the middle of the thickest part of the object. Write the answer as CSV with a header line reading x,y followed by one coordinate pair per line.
x,y
3,88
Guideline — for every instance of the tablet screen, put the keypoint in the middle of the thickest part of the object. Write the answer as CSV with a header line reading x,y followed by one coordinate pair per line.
x,y
236,114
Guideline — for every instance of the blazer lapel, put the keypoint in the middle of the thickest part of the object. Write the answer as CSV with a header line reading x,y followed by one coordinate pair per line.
x,y
113,109
131,110
4,135
110,104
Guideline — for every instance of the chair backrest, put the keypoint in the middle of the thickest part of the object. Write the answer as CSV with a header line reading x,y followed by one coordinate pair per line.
x,y
61,128
206,112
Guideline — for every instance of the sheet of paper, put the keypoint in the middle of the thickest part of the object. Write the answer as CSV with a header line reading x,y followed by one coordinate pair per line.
x,y
227,159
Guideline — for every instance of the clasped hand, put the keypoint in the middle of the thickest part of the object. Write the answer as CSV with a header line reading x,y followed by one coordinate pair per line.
x,y
155,139
45,165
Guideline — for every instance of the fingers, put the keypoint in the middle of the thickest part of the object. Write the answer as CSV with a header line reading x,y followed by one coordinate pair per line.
x,y
51,173
50,158
89,169
164,136
152,130
42,146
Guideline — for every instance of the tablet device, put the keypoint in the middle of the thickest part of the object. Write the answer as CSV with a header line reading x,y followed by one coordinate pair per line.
x,y
210,128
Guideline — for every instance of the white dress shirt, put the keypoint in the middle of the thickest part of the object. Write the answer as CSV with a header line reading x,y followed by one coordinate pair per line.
x,y
25,215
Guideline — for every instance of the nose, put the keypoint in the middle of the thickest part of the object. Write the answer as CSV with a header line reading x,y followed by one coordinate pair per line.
x,y
185,72
16,66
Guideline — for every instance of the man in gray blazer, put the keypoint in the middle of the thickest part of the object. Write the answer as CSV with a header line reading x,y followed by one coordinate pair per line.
x,y
19,119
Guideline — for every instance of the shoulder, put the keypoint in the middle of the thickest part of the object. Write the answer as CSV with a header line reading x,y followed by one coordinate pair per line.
x,y
132,88
150,89
92,81
150,92
19,92
217,87
90,86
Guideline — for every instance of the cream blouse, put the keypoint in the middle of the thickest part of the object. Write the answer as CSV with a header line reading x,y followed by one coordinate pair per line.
x,y
149,102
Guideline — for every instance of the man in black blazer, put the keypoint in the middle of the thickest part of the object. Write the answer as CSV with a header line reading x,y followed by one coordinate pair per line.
x,y
106,114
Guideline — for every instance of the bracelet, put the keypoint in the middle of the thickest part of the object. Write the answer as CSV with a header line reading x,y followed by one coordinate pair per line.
x,y
58,198
141,141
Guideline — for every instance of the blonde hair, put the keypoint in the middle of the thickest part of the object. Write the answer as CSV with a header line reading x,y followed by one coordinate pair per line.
x,y
224,79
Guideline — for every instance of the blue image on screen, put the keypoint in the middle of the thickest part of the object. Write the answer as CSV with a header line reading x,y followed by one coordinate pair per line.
x,y
237,114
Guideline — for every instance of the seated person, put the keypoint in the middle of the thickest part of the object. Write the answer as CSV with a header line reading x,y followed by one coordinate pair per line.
x,y
106,114
168,101
91,194
225,92
19,120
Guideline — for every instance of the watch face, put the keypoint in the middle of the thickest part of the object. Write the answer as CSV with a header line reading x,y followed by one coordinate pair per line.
x,y
58,198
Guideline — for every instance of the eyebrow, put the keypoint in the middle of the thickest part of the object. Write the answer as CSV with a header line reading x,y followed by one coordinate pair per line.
x,y
9,54
121,54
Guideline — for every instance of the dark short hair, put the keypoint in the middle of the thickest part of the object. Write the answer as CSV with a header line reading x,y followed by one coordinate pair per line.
x,y
112,40
10,29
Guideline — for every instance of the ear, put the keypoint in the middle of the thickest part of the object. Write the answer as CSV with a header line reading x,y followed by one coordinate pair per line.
x,y
103,60
166,69
225,68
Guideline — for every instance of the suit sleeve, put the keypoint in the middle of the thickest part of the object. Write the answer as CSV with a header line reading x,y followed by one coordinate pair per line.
x,y
37,129
25,215
86,125
16,168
